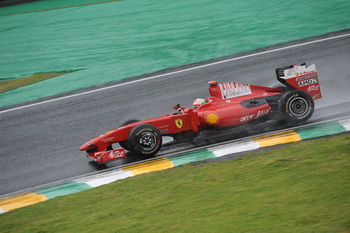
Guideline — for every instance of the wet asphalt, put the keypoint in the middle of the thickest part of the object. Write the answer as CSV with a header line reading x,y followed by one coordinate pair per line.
x,y
40,144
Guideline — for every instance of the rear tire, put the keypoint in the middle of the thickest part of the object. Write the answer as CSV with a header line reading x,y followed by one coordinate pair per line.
x,y
296,106
145,140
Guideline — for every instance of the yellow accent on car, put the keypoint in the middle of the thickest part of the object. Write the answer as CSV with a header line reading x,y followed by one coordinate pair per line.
x,y
212,118
179,123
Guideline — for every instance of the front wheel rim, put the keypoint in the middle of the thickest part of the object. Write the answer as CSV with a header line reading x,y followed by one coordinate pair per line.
x,y
148,141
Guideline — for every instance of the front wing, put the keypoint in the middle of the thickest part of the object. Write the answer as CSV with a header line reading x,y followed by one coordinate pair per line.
x,y
105,156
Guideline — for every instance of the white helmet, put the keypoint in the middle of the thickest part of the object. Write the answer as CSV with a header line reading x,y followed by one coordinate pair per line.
x,y
198,102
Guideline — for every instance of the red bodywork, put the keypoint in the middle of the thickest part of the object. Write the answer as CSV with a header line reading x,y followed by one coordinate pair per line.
x,y
230,104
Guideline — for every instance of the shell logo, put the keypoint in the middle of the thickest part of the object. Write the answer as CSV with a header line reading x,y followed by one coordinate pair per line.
x,y
212,118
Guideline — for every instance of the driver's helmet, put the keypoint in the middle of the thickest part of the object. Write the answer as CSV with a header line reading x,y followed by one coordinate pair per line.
x,y
198,102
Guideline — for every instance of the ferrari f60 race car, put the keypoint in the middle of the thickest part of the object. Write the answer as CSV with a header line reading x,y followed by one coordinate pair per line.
x,y
230,104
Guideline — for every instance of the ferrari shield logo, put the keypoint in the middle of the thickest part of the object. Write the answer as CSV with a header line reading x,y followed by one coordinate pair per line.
x,y
179,123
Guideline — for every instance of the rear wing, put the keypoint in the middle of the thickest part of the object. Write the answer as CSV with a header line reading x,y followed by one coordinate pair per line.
x,y
302,78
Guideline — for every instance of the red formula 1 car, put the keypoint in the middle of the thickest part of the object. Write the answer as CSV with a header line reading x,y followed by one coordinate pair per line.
x,y
231,104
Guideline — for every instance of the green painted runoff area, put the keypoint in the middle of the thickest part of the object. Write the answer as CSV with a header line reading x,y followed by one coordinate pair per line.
x,y
120,39
320,130
44,5
189,157
63,189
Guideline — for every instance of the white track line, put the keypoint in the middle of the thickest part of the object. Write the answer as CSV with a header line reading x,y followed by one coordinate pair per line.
x,y
175,72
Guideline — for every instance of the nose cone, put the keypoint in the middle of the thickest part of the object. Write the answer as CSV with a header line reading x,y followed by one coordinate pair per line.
x,y
84,147
101,142
90,144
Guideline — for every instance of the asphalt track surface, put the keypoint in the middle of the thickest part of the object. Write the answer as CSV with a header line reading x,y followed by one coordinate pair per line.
x,y
40,142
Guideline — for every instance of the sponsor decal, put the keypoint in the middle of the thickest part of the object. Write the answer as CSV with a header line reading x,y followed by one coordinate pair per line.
x,y
307,82
163,129
107,139
247,118
300,71
112,154
306,77
179,123
231,89
313,88
212,118
262,113
117,154
305,73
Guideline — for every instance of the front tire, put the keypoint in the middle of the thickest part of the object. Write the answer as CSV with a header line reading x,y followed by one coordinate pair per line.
x,y
145,140
296,106
125,144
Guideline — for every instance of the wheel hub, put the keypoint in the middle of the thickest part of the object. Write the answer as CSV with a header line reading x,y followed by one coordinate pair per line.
x,y
148,140
298,106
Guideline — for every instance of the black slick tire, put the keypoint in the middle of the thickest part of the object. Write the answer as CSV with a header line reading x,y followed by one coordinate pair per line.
x,y
296,106
145,140
125,144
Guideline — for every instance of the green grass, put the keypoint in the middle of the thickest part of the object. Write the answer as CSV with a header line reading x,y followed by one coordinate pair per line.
x,y
303,187
12,84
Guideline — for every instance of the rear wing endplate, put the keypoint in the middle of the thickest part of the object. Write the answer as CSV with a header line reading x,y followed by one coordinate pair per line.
x,y
302,78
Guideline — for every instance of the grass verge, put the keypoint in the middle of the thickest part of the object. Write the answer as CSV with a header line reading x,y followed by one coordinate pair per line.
x,y
303,187
12,84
